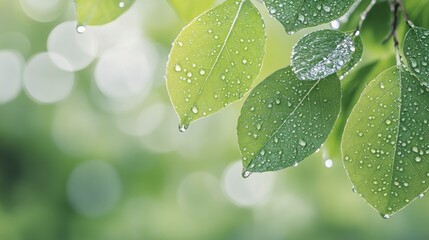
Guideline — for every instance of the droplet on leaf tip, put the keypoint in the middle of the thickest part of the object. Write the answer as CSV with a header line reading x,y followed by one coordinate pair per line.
x,y
80,29
183,127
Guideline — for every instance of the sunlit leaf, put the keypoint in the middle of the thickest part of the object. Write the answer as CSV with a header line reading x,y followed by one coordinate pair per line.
x,y
416,49
284,120
386,141
322,53
299,14
215,59
96,12
189,9
354,59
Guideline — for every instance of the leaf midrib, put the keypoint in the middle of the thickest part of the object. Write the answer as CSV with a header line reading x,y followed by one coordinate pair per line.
x,y
286,120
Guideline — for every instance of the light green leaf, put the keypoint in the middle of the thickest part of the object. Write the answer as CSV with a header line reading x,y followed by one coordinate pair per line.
x,y
322,53
215,59
354,59
96,12
416,50
386,141
189,9
284,120
299,14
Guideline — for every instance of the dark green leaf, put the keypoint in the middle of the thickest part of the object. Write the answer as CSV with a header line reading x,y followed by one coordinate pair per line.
x,y
416,49
284,120
299,14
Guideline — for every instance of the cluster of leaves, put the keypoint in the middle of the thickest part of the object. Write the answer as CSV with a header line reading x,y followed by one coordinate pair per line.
x,y
288,116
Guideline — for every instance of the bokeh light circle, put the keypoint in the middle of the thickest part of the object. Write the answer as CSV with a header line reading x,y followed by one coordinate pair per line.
x,y
43,10
78,49
44,81
10,75
93,188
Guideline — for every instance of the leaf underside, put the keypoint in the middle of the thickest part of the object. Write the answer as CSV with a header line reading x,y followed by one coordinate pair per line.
x,y
385,144
98,12
299,14
322,53
215,59
284,120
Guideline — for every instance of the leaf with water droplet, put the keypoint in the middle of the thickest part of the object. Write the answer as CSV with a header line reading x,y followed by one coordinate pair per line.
x,y
416,51
284,120
189,9
223,50
299,14
385,143
322,53
356,56
95,12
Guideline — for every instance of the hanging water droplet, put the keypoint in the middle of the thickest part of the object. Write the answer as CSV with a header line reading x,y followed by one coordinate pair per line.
x,y
386,216
183,127
246,173
354,190
80,29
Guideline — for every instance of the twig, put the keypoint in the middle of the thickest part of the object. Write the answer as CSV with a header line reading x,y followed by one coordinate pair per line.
x,y
363,17
405,14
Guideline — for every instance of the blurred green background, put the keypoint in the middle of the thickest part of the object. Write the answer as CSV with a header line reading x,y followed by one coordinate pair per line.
x,y
89,145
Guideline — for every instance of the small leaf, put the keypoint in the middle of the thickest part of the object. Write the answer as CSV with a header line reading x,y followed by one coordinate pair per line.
x,y
416,50
322,53
284,120
299,14
215,59
189,9
96,12
354,59
386,141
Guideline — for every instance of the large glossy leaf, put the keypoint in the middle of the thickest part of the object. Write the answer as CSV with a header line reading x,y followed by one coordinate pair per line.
x,y
386,141
189,9
416,49
322,53
97,12
215,59
284,120
299,14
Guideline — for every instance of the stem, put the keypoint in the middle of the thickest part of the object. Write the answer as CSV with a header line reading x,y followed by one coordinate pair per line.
x,y
363,16
405,14
394,7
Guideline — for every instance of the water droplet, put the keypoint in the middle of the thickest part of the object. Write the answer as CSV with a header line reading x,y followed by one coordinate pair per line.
x,y
178,68
246,174
194,109
183,127
386,216
302,142
421,195
80,29
121,4
202,72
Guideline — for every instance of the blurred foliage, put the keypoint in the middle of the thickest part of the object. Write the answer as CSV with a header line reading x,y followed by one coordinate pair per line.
x,y
173,185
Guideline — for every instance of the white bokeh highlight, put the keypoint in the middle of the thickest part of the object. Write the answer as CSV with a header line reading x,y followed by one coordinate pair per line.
x,y
11,66
125,71
44,81
43,10
93,188
79,50
246,191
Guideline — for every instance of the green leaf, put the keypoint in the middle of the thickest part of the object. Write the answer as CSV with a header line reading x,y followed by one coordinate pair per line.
x,y
322,53
386,141
354,59
96,12
285,120
299,14
215,59
189,9
416,50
